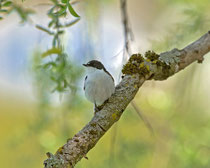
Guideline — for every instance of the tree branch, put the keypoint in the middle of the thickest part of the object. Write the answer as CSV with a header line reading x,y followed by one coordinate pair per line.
x,y
157,67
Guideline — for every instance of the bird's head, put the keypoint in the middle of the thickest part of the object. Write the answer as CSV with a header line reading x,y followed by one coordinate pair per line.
x,y
94,65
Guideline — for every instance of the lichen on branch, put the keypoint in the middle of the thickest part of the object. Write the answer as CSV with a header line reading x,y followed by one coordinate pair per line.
x,y
159,67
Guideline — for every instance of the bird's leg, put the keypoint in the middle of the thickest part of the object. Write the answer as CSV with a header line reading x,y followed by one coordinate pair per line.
x,y
96,109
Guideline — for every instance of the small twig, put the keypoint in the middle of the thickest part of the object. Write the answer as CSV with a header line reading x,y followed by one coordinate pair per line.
x,y
144,119
128,36
112,145
45,30
127,30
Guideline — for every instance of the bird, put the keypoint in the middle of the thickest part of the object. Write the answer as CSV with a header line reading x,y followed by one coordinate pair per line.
x,y
99,84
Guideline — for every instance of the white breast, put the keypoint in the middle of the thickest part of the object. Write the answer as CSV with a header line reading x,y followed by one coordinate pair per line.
x,y
99,86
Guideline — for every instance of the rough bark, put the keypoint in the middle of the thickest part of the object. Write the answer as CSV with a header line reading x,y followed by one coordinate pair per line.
x,y
77,147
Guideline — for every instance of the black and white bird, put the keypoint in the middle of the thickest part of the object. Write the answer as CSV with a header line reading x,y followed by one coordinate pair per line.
x,y
99,83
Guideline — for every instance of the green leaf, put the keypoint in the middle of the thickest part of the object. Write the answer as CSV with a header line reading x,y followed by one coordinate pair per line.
x,y
8,3
72,11
65,83
53,50
61,9
3,10
23,13
50,12
53,78
1,18
61,12
51,23
44,29
54,41
61,32
49,64
64,1
70,23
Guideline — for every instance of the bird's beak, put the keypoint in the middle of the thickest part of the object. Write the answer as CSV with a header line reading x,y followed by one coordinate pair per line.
x,y
84,65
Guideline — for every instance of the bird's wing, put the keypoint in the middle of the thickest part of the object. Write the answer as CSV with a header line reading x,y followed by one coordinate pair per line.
x,y
109,74
84,82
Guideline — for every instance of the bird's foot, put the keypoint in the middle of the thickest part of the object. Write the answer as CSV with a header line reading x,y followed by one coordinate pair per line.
x,y
98,108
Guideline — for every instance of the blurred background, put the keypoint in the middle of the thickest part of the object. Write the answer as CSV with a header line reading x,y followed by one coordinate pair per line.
x,y
37,115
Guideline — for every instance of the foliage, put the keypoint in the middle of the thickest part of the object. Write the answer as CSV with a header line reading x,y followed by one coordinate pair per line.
x,y
59,65
7,7
194,21
54,71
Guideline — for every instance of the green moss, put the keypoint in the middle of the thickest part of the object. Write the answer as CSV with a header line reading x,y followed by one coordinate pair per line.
x,y
115,115
93,132
151,62
69,139
76,140
60,150
53,161
93,124
151,55
135,65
